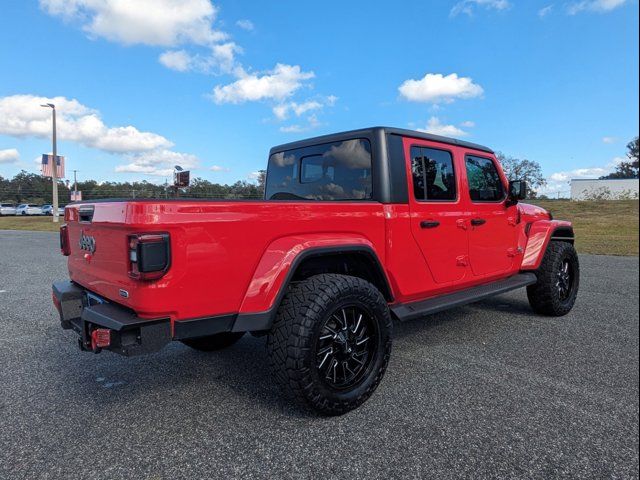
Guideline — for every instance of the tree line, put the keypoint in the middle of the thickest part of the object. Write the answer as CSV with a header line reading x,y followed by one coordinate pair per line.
x,y
34,188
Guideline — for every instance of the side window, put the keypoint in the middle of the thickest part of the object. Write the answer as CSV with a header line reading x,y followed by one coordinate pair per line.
x,y
433,176
485,184
329,171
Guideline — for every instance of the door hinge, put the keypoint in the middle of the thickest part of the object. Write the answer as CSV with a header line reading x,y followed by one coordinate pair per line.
x,y
462,261
461,223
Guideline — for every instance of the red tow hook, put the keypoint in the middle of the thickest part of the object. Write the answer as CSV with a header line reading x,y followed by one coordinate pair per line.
x,y
100,338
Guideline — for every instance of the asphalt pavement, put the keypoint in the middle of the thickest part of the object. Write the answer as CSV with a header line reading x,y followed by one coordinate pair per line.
x,y
487,390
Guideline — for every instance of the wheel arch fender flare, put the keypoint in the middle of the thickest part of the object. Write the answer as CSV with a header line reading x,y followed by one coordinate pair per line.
x,y
540,233
281,261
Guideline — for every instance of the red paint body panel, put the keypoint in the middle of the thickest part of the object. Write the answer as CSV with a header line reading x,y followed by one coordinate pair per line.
x,y
277,259
234,256
216,247
539,237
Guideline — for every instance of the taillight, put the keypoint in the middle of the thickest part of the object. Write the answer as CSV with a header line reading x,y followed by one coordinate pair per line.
x,y
149,255
65,247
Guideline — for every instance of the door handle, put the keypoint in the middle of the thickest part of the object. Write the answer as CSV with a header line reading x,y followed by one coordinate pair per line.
x,y
476,222
429,224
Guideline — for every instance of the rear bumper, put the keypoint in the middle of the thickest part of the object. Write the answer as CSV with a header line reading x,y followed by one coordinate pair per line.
x,y
129,334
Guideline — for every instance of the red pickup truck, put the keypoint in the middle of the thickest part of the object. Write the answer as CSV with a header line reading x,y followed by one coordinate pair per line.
x,y
357,229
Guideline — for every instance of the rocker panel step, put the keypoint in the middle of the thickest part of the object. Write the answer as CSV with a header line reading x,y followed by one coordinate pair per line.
x,y
410,311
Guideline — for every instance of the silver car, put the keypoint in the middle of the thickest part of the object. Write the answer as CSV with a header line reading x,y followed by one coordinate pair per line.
x,y
7,209
48,210
28,209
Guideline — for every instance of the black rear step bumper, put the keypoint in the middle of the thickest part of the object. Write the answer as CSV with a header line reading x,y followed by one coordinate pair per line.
x,y
130,334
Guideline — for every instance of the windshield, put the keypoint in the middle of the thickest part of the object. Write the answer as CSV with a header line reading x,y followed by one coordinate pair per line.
x,y
330,171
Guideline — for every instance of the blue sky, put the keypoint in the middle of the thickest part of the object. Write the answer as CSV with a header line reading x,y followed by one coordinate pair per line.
x,y
141,86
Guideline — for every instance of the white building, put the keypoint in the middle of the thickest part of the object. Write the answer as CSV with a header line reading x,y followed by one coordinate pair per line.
x,y
610,189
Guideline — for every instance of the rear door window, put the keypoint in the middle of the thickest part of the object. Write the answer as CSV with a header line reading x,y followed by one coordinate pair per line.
x,y
485,184
330,171
433,175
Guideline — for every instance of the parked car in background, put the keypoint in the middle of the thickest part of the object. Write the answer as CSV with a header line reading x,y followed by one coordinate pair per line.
x,y
7,209
29,209
47,209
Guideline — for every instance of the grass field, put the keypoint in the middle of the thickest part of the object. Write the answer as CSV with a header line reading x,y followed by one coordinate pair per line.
x,y
605,228
41,224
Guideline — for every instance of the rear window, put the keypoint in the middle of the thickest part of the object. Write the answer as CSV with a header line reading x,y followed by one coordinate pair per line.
x,y
6,205
331,171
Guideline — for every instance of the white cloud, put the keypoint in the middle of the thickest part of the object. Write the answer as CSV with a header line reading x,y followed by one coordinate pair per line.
x,y
245,25
590,172
22,116
435,127
436,88
221,59
544,11
596,6
159,163
9,155
468,7
593,172
609,139
277,84
283,110
558,182
312,122
149,22
218,168
468,124
178,60
225,55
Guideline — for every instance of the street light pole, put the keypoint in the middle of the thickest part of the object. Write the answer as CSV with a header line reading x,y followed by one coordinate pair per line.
x,y
54,166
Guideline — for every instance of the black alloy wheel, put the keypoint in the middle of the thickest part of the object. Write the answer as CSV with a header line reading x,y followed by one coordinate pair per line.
x,y
346,346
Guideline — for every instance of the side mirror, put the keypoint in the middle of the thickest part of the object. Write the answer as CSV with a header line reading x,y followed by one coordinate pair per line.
x,y
517,191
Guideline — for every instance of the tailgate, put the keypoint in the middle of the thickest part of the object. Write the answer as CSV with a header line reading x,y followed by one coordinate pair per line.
x,y
98,258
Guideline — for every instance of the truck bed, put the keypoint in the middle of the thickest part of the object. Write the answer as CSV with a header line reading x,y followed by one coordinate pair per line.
x,y
215,247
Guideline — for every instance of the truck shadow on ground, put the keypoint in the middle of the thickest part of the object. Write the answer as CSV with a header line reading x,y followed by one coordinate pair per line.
x,y
242,371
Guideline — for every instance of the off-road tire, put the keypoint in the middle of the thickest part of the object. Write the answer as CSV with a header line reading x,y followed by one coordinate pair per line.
x,y
544,296
215,342
292,341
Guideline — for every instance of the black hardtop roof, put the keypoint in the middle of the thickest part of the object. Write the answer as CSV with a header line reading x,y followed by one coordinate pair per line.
x,y
371,131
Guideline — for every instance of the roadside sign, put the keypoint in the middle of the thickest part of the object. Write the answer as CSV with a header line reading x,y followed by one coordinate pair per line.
x,y
76,196
181,179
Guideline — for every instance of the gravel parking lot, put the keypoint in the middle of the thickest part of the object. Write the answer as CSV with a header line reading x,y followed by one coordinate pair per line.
x,y
488,390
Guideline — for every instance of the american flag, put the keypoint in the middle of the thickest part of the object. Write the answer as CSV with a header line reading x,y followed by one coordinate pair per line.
x,y
47,160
